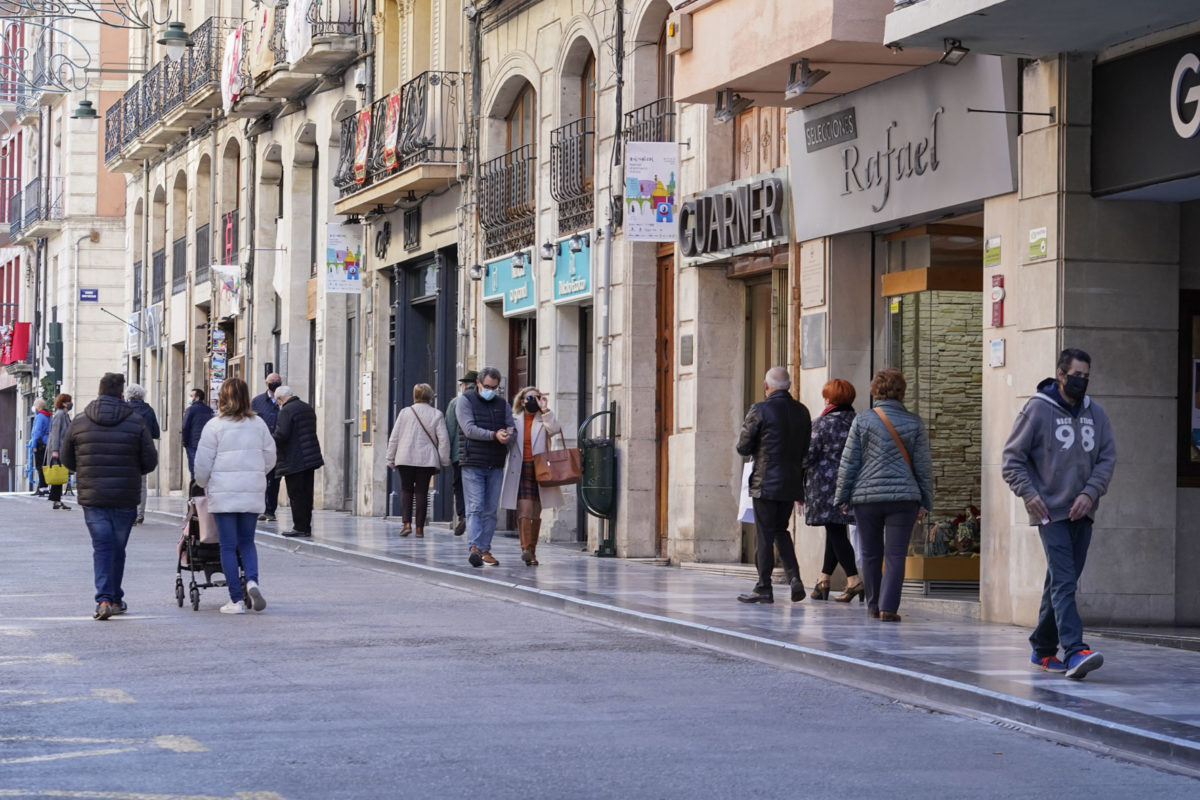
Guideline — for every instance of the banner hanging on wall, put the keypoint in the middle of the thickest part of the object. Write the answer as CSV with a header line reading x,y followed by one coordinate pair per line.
x,y
650,173
343,259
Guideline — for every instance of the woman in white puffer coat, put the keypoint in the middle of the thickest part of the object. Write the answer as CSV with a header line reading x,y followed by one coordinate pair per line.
x,y
235,453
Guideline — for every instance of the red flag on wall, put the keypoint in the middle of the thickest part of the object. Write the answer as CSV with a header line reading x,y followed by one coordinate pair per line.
x,y
15,345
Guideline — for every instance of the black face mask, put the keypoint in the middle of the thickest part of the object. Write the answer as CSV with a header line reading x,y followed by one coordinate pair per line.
x,y
531,405
271,387
1075,387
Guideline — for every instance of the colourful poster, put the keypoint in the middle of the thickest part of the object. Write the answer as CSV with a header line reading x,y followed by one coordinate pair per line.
x,y
650,191
362,145
343,259
391,130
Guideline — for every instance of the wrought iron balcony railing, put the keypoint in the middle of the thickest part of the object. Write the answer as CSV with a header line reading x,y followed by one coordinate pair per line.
x,y
653,122
203,61
203,250
139,284
40,201
158,275
152,101
572,161
179,265
333,18
507,201
113,118
14,214
131,113
172,84
417,124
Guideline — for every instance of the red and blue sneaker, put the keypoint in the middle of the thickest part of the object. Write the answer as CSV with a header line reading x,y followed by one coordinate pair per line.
x,y
1047,663
1081,663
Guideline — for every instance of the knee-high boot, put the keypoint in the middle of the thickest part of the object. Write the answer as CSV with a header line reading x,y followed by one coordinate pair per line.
x,y
534,532
525,532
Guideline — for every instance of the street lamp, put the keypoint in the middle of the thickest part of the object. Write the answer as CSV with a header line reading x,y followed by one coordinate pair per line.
x,y
84,111
175,39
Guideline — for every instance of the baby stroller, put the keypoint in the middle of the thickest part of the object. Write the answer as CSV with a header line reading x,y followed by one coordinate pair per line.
x,y
200,551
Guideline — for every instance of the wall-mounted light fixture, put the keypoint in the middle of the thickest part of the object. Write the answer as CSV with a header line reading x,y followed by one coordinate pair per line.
x,y
548,250
477,271
729,105
577,242
518,260
954,53
801,78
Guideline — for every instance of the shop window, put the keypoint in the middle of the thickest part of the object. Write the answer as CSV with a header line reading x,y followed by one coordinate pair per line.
x,y
1189,389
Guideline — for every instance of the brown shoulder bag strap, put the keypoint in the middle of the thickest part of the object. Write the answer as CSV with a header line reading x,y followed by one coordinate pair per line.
x,y
896,438
432,441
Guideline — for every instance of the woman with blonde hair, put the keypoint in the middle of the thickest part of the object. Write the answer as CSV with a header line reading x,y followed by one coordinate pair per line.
x,y
417,449
887,475
54,442
535,423
235,453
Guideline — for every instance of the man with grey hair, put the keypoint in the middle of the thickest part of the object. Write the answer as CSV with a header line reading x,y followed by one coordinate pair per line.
x,y
776,432
135,398
298,456
485,422
264,406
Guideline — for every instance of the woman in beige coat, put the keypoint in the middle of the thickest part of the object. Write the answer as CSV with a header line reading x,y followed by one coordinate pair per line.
x,y
535,424
417,449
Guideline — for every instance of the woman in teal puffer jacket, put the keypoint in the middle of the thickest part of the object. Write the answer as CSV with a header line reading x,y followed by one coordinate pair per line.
x,y
889,487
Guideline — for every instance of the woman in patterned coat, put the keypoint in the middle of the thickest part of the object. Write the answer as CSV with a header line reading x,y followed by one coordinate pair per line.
x,y
820,482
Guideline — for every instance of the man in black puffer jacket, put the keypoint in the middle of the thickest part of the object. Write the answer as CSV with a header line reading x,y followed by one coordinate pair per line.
x,y
109,449
298,456
777,432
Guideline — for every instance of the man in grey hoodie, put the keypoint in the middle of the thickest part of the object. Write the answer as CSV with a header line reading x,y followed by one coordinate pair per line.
x,y
1059,459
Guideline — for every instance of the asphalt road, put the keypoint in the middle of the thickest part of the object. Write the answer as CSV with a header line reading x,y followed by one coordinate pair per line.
x,y
356,683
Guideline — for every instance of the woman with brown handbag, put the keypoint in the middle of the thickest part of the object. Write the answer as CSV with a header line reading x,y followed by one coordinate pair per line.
x,y
535,423
417,449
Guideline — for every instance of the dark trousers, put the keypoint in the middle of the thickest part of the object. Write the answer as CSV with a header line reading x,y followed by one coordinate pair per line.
x,y
56,492
1066,545
414,487
838,550
272,493
884,530
771,532
300,491
39,458
460,500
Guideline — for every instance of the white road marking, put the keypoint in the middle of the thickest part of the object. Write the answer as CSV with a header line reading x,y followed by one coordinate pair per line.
x,y
77,795
49,658
175,743
16,631
112,751
107,695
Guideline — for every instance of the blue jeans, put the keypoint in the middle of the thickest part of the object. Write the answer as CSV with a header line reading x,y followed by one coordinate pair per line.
x,y
191,456
481,489
236,530
109,528
1066,545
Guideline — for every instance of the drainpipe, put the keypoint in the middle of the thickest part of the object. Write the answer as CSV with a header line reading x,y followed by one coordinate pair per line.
x,y
75,312
251,229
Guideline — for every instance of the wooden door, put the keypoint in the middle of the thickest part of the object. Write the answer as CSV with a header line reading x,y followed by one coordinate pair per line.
x,y
522,355
664,408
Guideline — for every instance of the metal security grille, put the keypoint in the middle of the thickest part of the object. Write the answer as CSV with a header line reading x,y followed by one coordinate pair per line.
x,y
507,201
572,159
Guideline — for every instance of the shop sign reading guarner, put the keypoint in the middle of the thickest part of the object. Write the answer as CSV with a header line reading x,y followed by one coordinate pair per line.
x,y
734,218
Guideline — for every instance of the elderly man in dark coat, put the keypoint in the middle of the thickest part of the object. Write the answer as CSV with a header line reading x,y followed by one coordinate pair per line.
x,y
109,449
298,456
264,405
135,397
776,432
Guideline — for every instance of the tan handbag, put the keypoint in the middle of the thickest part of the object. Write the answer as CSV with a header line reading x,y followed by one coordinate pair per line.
x,y
558,467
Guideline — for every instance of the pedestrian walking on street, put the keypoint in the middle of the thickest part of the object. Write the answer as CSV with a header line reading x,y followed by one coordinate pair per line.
x,y
487,427
417,449
109,449
39,434
135,396
235,454
298,456
264,405
195,417
887,475
776,433
465,384
820,484
1059,460
59,424
535,423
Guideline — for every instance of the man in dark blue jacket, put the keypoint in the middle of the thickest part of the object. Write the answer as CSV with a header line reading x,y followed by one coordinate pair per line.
x,y
485,422
776,432
109,449
264,406
135,397
194,418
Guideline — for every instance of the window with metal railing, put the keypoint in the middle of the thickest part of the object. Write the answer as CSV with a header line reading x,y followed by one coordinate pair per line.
x,y
507,205
179,265
158,275
203,249
653,122
571,165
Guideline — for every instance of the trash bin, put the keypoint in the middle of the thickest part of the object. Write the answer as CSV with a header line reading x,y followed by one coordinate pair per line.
x,y
596,490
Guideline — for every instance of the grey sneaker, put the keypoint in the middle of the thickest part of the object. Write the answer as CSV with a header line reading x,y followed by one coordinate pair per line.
x,y
256,601
104,610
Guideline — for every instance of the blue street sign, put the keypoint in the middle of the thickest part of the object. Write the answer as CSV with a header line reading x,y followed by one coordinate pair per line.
x,y
89,295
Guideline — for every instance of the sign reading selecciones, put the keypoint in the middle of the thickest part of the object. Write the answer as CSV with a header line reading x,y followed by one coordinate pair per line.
x,y
901,149
734,218
835,128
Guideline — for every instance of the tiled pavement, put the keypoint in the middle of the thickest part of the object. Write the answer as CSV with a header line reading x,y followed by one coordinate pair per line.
x,y
1144,702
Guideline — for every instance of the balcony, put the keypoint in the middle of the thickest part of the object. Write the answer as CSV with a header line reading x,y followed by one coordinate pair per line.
x,y
158,275
412,144
572,161
333,38
273,78
507,201
844,37
40,210
179,276
653,122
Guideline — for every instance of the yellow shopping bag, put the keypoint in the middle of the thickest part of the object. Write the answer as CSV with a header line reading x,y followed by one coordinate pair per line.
x,y
55,474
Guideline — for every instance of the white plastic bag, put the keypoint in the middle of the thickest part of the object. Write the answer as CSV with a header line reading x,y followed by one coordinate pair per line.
x,y
745,503
856,543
